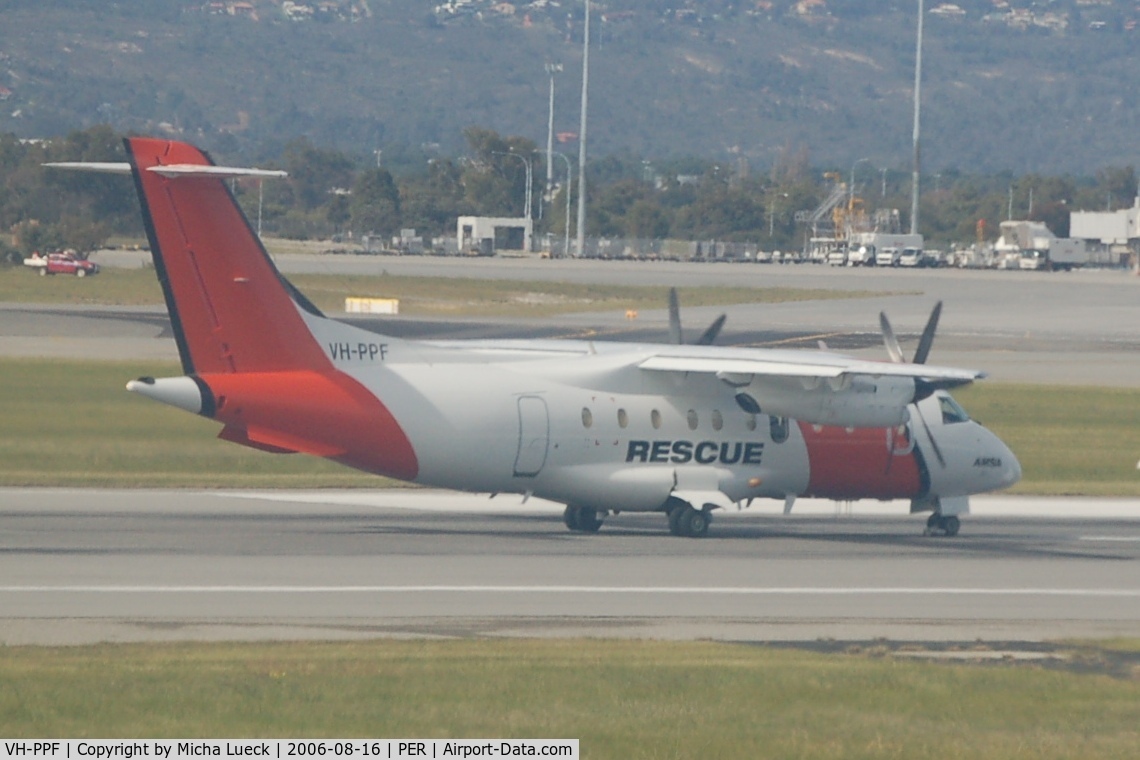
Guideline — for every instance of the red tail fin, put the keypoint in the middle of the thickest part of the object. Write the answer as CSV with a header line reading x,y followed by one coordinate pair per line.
x,y
230,308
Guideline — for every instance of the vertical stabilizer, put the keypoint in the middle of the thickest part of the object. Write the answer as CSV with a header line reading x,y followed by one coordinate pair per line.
x,y
229,306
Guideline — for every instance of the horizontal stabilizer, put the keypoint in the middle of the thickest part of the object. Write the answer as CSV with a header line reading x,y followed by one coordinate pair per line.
x,y
100,167
170,171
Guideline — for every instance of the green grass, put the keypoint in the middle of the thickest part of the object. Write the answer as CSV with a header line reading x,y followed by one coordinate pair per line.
x,y
622,699
71,423
68,423
1070,441
419,296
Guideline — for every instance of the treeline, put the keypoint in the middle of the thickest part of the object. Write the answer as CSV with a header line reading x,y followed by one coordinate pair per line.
x,y
330,193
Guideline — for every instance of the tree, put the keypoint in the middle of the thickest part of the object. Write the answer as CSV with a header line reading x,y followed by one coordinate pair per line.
x,y
314,172
375,205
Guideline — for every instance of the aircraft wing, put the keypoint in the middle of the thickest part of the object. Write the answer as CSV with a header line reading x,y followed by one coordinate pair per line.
x,y
821,366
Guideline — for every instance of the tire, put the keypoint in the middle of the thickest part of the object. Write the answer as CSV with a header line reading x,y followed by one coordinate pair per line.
x,y
588,521
951,525
570,517
43,271
697,523
80,272
676,515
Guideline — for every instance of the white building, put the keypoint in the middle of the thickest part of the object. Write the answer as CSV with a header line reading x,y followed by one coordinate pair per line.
x,y
504,233
1115,233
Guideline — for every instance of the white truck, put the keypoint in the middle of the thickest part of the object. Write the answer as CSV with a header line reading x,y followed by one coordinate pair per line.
x,y
888,256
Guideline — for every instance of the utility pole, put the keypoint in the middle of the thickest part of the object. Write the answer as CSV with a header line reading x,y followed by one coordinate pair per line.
x,y
582,135
917,111
551,68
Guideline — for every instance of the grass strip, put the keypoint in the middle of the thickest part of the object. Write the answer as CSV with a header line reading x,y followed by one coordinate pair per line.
x,y
622,699
1070,440
72,423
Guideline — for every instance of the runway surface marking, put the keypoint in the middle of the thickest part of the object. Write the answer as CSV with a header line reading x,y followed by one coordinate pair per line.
x,y
668,590
1125,539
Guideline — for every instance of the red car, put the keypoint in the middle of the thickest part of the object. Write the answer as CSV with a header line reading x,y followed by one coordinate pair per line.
x,y
62,263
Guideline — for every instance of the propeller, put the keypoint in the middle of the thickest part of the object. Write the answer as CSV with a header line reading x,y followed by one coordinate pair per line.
x,y
676,335
922,388
894,350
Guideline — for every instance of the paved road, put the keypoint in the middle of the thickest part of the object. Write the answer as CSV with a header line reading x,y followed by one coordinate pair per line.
x,y
92,565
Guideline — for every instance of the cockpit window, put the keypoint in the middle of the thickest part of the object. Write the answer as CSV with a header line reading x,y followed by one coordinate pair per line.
x,y
951,412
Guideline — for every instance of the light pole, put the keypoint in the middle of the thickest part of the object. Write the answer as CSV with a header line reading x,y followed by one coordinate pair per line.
x,y
566,225
582,135
529,177
917,112
551,69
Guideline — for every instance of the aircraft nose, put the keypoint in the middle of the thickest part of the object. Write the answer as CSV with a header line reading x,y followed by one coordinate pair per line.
x,y
1011,470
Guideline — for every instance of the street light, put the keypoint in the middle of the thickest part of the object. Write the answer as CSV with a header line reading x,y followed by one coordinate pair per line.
x,y
551,69
582,134
529,177
566,226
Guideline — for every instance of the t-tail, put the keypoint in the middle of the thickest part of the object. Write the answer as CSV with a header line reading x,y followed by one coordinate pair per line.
x,y
245,335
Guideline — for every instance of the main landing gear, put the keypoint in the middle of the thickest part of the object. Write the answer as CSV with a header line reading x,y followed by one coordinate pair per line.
x,y
581,519
942,525
684,520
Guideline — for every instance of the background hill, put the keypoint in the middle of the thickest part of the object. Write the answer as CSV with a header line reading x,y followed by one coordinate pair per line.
x,y
1048,87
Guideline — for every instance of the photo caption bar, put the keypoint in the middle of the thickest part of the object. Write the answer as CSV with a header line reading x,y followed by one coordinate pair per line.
x,y
170,749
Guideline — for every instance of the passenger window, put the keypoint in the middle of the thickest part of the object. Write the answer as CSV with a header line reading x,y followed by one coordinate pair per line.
x,y
693,420
623,418
951,412
778,428
587,417
655,418
717,420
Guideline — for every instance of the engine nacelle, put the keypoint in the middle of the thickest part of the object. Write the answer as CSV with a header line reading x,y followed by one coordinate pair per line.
x,y
846,401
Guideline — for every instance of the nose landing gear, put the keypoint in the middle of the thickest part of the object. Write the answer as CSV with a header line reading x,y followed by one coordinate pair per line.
x,y
942,525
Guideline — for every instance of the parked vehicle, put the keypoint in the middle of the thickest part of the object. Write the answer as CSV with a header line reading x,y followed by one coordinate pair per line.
x,y
63,262
888,257
861,257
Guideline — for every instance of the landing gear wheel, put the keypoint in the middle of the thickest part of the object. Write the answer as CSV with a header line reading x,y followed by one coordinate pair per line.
x,y
581,519
588,520
697,523
947,525
676,515
570,517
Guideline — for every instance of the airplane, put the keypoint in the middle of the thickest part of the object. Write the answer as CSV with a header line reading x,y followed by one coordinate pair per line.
x,y
601,427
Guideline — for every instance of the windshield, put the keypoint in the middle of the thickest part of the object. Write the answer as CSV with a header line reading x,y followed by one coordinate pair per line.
x,y
951,411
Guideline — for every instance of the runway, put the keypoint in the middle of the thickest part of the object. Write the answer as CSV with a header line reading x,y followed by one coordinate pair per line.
x,y
82,566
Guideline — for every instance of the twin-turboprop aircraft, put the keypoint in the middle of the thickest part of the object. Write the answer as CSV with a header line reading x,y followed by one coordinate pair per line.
x,y
600,427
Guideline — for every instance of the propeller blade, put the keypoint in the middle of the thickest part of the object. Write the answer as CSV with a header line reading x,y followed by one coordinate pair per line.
x,y
675,335
708,337
933,443
927,339
889,339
